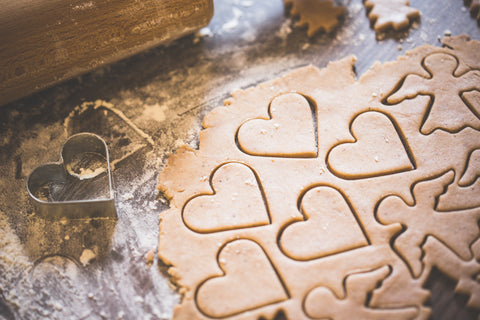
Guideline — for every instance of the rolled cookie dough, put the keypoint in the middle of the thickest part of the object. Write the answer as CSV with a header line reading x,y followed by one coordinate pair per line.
x,y
346,221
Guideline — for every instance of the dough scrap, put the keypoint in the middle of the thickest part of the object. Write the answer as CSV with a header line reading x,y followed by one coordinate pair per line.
x,y
412,208
318,15
390,14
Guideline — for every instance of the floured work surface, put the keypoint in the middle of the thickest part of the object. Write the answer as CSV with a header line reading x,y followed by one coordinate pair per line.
x,y
94,269
319,196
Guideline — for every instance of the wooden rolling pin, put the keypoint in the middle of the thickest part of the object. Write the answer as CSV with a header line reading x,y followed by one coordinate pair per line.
x,y
43,42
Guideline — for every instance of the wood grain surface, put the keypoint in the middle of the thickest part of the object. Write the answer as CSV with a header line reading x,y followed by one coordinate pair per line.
x,y
47,41
47,270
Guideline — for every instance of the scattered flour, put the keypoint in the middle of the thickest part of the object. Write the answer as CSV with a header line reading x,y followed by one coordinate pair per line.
x,y
285,29
234,22
87,256
84,6
154,112
246,4
202,33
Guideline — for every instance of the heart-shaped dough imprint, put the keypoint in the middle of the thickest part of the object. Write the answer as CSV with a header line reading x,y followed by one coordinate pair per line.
x,y
290,131
237,202
377,151
330,227
249,282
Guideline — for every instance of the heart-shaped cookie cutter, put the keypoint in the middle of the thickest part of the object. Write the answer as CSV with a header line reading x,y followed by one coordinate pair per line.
x,y
58,173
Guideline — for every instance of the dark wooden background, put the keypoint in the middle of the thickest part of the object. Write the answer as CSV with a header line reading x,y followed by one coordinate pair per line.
x,y
165,93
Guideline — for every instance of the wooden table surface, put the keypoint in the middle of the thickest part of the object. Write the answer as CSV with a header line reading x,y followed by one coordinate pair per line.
x,y
145,107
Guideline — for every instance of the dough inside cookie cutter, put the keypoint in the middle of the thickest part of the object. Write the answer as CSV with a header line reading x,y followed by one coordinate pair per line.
x,y
79,186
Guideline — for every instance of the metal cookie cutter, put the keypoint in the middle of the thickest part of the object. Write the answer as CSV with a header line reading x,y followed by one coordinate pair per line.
x,y
79,186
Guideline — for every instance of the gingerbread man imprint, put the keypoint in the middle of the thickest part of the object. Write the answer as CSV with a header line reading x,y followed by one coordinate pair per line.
x,y
448,109
422,219
355,303
465,194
